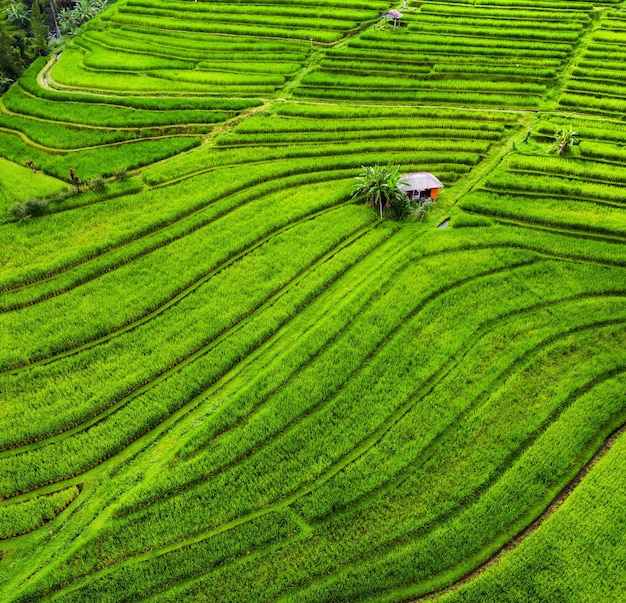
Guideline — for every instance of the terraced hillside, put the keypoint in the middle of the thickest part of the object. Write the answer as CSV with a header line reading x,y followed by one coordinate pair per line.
x,y
224,380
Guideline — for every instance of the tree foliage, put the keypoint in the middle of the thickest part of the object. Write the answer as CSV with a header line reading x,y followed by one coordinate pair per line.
x,y
11,62
378,186
564,138
39,32
70,19
18,14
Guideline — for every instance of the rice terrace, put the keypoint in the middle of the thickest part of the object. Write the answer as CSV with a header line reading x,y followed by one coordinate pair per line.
x,y
224,378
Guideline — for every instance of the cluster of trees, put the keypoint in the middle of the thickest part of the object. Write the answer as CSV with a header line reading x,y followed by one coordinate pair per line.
x,y
70,19
23,37
29,27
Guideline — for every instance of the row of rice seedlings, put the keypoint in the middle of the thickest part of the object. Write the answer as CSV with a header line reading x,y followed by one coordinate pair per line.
x,y
159,104
185,14
486,22
338,65
451,46
600,151
417,40
420,96
593,104
97,58
223,80
382,58
393,137
21,518
496,31
608,37
584,170
96,162
215,42
204,52
250,282
551,186
587,130
607,51
259,124
594,72
221,27
347,111
324,156
425,149
575,5
364,82
68,72
61,136
81,113
493,13
576,215
244,11
345,4
521,70
598,88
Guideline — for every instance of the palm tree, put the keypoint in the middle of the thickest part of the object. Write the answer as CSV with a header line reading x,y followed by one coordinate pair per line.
x,y
17,13
563,139
378,186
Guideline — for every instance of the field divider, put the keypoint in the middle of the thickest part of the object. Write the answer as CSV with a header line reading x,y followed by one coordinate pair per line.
x,y
494,157
557,91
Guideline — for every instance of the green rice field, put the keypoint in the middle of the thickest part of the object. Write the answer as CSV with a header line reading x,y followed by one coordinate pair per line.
x,y
222,379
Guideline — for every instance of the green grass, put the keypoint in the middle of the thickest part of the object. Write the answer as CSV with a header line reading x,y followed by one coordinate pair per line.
x,y
224,379
19,183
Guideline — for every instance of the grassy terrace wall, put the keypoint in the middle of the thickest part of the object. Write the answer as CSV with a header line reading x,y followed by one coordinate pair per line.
x,y
223,380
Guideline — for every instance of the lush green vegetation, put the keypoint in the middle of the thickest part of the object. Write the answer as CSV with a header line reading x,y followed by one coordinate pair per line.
x,y
225,378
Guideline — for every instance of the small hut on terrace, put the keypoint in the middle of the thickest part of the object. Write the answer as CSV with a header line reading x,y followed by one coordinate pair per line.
x,y
393,14
421,185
